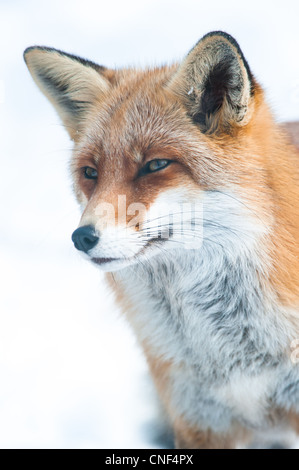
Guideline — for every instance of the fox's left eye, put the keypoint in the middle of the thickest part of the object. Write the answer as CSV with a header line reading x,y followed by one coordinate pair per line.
x,y
154,165
90,173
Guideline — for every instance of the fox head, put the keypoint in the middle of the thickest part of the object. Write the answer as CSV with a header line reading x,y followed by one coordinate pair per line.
x,y
162,156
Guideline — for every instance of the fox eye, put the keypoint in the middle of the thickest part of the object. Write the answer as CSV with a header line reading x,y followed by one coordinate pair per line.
x,y
154,165
90,173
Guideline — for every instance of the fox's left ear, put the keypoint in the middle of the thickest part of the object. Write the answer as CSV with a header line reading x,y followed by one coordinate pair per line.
x,y
74,86
215,84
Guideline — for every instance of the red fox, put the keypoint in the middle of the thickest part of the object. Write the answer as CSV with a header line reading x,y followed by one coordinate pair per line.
x,y
190,202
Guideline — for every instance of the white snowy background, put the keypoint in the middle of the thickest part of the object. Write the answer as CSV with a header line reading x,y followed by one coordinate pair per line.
x,y
71,374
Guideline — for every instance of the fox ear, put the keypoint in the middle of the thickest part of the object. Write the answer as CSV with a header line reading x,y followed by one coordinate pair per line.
x,y
215,84
73,85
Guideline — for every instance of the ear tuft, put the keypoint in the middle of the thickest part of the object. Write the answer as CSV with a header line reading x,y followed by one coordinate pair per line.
x,y
73,85
215,83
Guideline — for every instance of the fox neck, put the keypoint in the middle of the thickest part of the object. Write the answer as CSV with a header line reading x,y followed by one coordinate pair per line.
x,y
270,164
280,164
187,293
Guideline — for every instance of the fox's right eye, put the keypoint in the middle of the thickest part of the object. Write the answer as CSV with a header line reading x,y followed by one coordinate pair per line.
x,y
90,173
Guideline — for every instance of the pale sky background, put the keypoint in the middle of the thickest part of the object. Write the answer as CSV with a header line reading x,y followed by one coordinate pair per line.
x,y
71,372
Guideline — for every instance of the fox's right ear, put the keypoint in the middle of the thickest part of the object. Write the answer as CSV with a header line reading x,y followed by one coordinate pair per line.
x,y
73,85
216,85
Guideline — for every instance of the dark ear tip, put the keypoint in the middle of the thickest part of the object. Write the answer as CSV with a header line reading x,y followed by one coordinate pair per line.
x,y
33,48
73,57
27,50
219,33
235,44
226,36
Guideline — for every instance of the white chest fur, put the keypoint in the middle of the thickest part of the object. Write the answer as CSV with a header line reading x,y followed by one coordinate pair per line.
x,y
207,313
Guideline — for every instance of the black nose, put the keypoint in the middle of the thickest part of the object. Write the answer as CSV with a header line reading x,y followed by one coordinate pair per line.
x,y
85,238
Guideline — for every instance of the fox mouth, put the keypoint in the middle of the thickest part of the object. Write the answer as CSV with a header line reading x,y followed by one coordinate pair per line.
x,y
103,261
